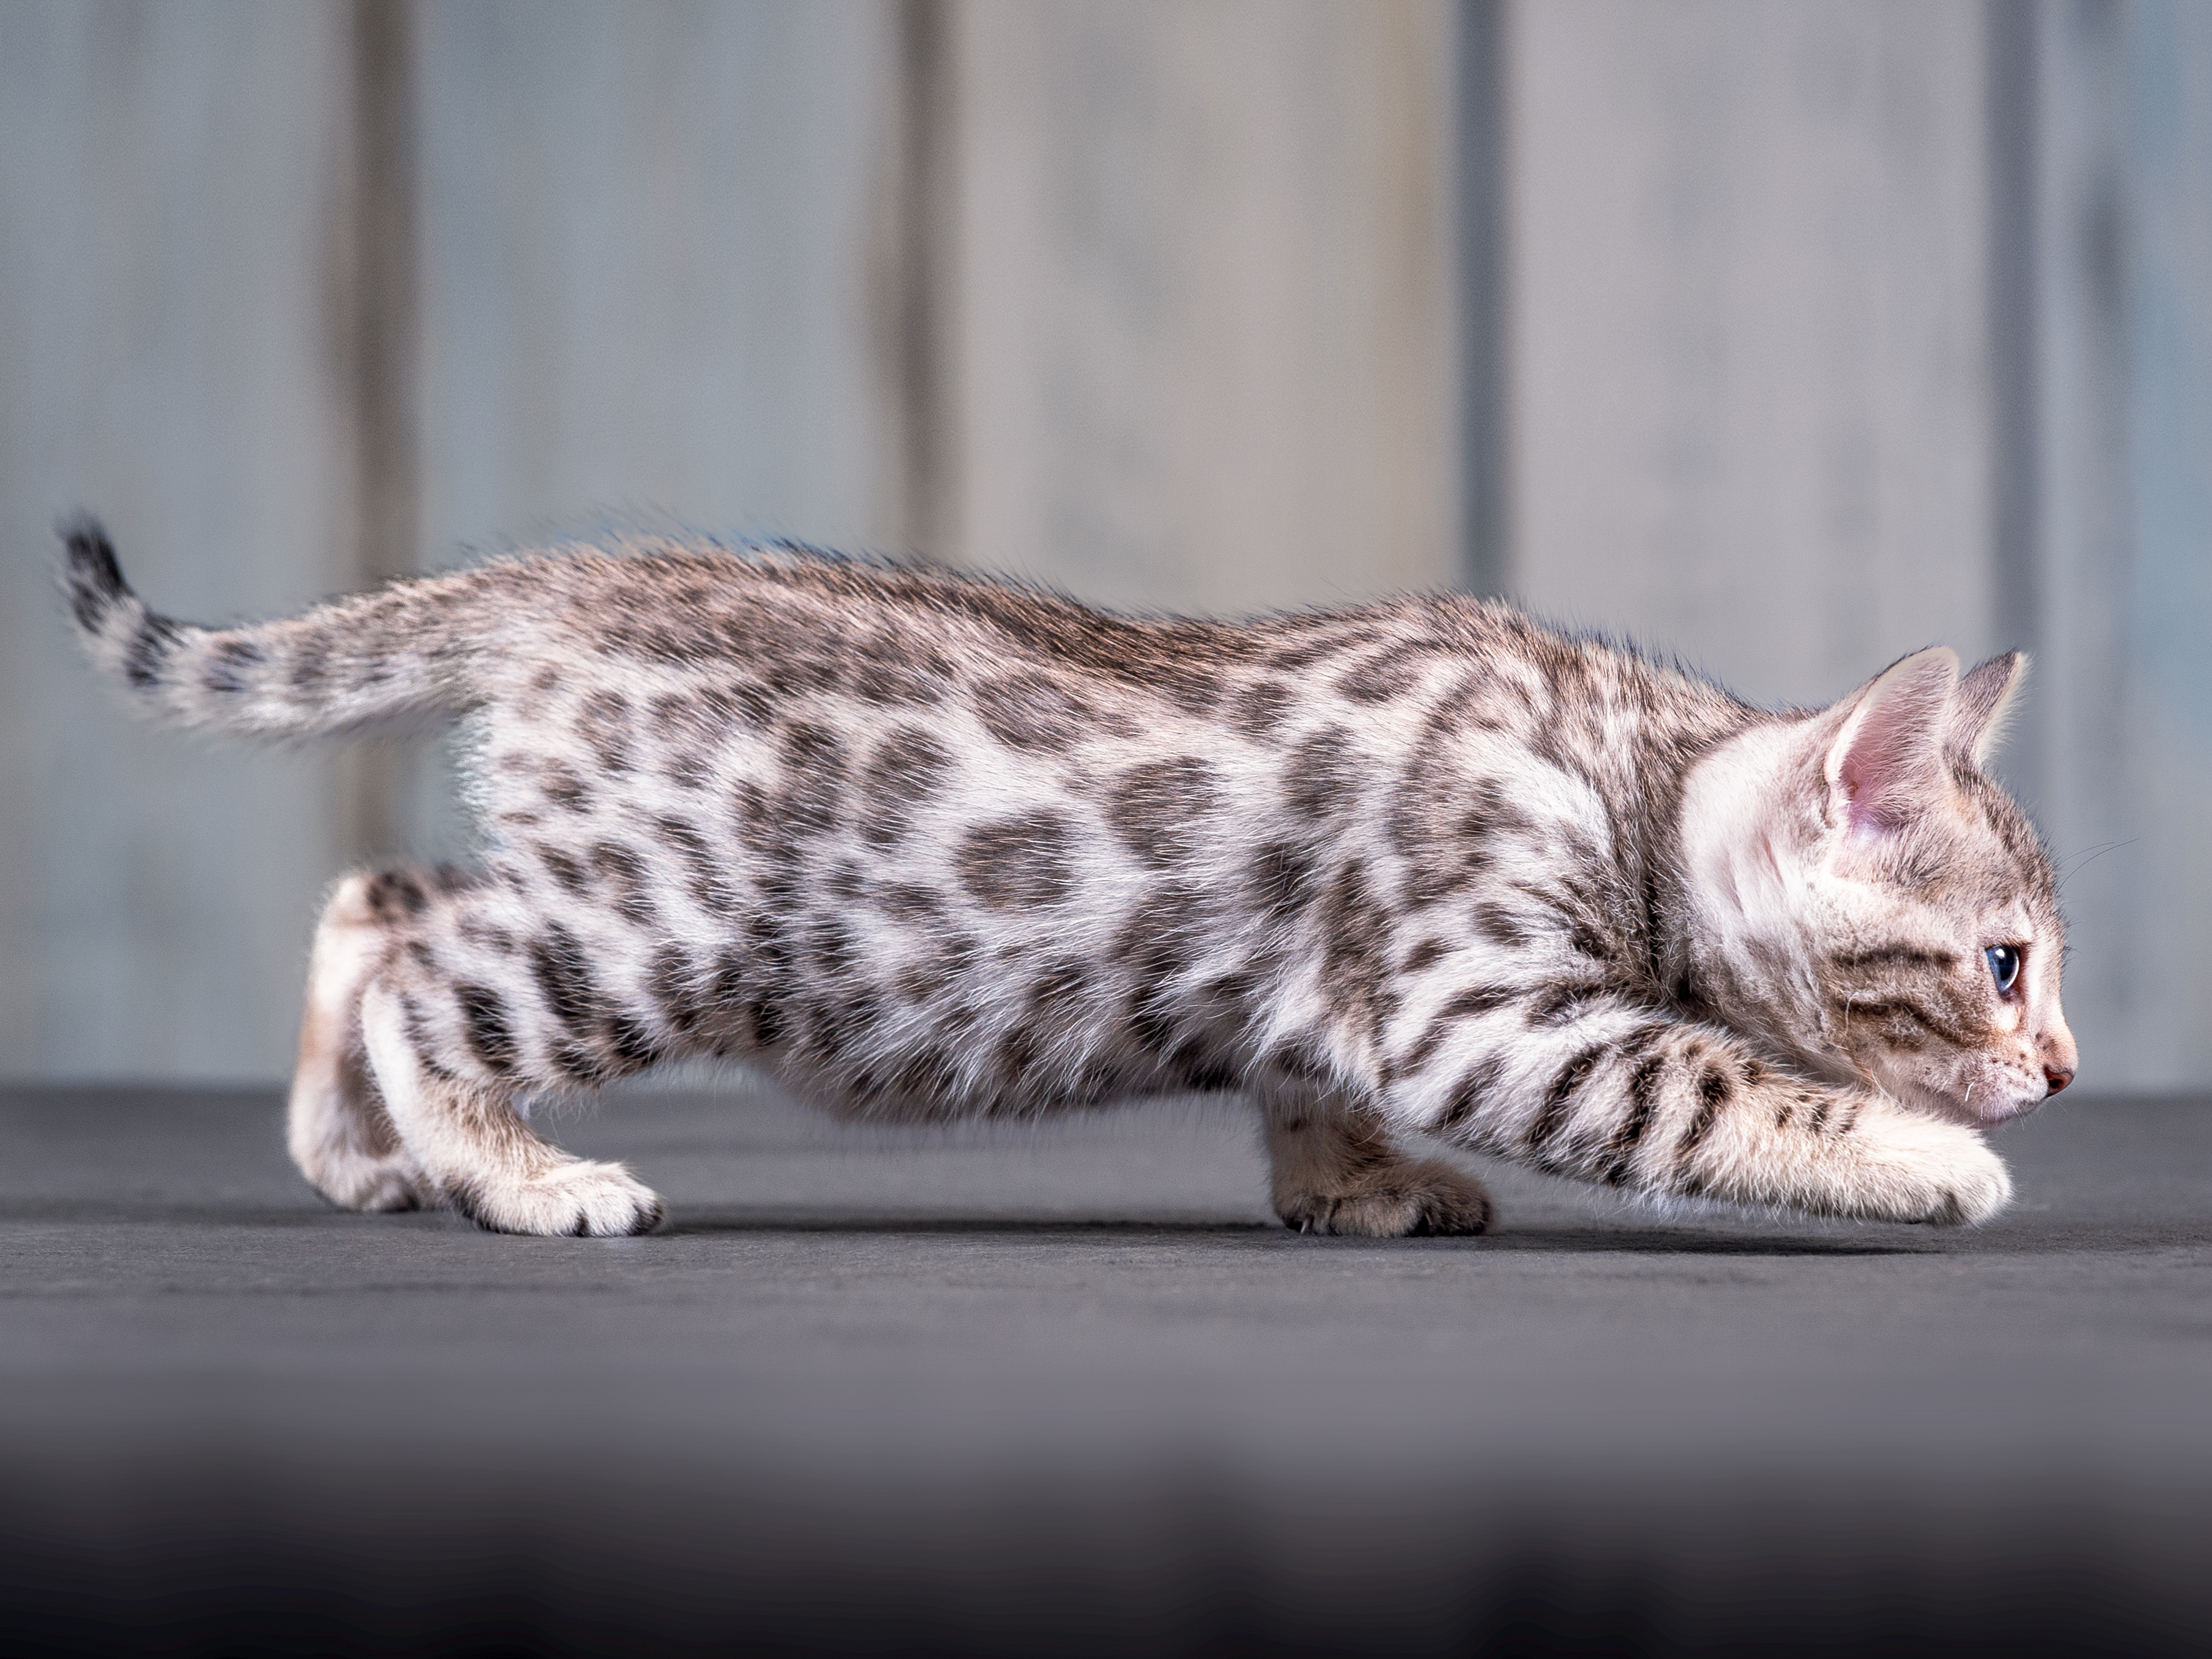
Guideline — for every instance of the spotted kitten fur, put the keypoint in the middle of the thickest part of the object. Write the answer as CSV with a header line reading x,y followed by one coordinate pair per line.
x,y
1418,874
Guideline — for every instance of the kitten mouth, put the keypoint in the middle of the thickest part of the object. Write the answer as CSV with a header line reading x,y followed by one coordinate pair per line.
x,y
2000,1113
1987,1112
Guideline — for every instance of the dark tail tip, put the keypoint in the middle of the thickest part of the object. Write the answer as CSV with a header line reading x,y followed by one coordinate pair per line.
x,y
96,579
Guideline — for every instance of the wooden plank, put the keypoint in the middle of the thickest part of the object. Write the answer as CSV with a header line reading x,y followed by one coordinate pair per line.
x,y
173,185
1204,351
1749,412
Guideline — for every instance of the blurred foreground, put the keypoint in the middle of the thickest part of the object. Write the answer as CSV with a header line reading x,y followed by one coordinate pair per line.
x,y
1072,1390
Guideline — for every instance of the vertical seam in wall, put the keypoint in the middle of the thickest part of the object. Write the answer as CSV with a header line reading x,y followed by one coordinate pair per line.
x,y
927,282
2016,596
386,287
1482,138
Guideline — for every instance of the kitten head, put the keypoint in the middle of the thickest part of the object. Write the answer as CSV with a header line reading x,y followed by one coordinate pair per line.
x,y
1889,913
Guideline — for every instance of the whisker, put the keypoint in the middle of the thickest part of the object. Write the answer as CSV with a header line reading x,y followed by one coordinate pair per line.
x,y
2082,860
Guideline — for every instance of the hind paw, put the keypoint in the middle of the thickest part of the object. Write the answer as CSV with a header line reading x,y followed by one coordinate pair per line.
x,y
578,1199
374,1184
1410,1200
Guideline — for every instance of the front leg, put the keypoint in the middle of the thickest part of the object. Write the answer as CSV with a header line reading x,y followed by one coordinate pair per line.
x,y
1599,1088
1336,1171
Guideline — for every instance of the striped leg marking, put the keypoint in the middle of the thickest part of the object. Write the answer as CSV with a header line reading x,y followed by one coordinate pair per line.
x,y
1625,1097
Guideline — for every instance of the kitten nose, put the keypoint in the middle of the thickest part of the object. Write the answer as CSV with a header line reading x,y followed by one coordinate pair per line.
x,y
2057,1080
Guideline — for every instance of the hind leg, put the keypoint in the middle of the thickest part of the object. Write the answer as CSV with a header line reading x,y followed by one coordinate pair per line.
x,y
337,1127
472,1143
484,991
1335,1170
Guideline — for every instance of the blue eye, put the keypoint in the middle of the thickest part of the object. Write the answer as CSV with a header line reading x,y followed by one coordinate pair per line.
x,y
2004,966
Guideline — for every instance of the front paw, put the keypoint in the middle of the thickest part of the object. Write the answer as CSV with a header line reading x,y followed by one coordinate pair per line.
x,y
1917,1169
576,1199
1408,1200
1972,1187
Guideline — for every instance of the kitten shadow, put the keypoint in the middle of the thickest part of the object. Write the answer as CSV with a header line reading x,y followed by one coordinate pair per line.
x,y
1594,1240
693,1225
1543,1240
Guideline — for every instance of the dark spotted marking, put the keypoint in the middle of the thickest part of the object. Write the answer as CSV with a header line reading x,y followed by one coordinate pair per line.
x,y
471,1205
1713,1092
490,1032
564,788
918,981
1282,878
906,767
1355,943
927,1075
226,671
1158,809
1318,775
829,944
1387,674
1642,1099
1461,1005
673,715
623,869
1901,1010
1563,1004
1894,956
1424,956
671,980
1469,1094
707,884
603,722
1288,659
882,678
1031,710
1552,1116
632,1043
96,579
1302,1057
1258,709
814,765
564,979
310,660
148,651
904,902
1059,989
1501,926
750,816
395,892
565,870
1016,861
486,936
1016,1053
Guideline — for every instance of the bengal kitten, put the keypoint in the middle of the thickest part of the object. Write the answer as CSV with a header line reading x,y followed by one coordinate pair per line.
x,y
1413,876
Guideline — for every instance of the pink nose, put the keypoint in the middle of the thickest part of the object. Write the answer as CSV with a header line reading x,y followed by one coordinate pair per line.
x,y
2057,1080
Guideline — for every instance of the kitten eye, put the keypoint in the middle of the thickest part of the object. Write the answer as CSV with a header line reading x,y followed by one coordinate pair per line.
x,y
2004,966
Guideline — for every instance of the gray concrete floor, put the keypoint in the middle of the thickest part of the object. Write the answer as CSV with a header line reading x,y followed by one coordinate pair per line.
x,y
1072,1388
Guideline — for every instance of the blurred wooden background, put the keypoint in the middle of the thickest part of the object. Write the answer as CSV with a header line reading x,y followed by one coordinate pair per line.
x,y
1789,335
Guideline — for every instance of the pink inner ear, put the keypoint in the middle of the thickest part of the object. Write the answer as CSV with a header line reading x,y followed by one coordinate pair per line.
x,y
1873,776
1890,771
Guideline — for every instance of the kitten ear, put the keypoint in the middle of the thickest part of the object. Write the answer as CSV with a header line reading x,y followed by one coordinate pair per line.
x,y
1983,705
1886,763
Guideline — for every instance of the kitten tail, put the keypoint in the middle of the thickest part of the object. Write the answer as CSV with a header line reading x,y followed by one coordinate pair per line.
x,y
345,669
